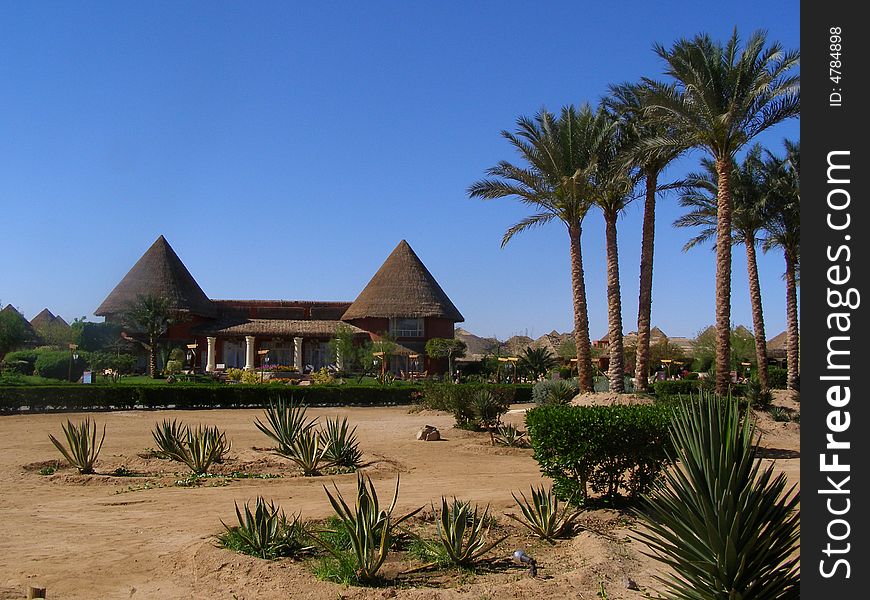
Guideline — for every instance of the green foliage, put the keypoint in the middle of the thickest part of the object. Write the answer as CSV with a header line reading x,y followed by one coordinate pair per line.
x,y
285,421
462,532
119,363
371,528
449,348
557,391
724,526
542,516
777,378
195,396
150,316
21,361
266,532
341,446
12,331
308,452
567,349
510,436
536,362
322,377
677,387
174,367
614,450
81,440
59,364
742,348
758,398
474,406
197,448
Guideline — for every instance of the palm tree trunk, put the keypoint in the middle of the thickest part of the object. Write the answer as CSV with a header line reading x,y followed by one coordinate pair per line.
x,y
581,317
792,349
152,357
644,304
616,372
723,276
757,311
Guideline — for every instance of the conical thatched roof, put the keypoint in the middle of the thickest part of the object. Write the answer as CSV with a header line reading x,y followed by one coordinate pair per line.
x,y
159,272
403,287
43,319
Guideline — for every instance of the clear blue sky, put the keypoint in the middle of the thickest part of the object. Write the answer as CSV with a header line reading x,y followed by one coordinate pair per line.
x,y
284,149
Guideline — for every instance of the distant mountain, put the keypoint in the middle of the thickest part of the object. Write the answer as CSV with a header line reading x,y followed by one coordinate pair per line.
x,y
478,347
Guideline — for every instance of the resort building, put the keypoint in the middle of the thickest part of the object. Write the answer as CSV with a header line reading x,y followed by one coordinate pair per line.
x,y
403,299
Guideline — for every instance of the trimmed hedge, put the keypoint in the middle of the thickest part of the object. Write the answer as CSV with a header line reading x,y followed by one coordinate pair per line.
x,y
614,450
690,387
20,361
48,398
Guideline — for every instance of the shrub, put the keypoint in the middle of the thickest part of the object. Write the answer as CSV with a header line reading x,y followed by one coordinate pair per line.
x,y
758,398
285,421
322,377
509,435
250,377
370,528
308,453
555,391
474,406
82,441
610,449
726,527
197,448
340,444
266,532
777,378
542,515
22,361
235,374
173,367
59,364
683,387
462,533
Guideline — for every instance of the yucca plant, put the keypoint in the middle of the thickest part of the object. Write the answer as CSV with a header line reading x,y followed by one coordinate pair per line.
x,y
266,532
167,435
542,516
340,444
284,422
308,452
197,448
371,528
724,526
462,533
221,444
509,435
82,441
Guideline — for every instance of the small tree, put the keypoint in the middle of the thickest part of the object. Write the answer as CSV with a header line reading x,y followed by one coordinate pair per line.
x,y
537,362
341,347
448,348
12,332
150,316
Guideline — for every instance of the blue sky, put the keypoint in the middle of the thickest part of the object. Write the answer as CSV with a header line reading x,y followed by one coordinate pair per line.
x,y
284,149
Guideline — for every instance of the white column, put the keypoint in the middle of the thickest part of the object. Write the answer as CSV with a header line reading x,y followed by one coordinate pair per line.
x,y
210,361
339,360
249,353
297,353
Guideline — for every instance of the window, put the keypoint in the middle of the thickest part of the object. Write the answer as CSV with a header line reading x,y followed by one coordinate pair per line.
x,y
406,327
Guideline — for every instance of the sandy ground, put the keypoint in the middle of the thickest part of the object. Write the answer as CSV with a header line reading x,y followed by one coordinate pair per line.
x,y
103,536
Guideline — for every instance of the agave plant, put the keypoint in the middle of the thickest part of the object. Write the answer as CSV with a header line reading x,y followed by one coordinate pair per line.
x,y
371,528
340,444
724,526
221,444
285,421
509,435
542,515
462,533
308,452
82,441
167,435
197,448
266,532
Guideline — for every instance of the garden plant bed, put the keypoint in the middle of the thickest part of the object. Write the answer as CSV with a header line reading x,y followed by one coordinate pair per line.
x,y
142,536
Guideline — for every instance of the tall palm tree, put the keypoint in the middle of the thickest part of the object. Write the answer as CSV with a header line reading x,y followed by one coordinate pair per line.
x,y
627,102
700,194
721,97
561,155
783,231
613,186
150,316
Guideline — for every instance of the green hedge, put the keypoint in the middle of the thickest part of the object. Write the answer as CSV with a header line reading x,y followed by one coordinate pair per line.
x,y
20,361
682,387
48,398
612,450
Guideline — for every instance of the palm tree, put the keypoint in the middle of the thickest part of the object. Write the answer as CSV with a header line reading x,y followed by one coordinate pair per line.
x,y
537,362
783,231
613,186
149,315
561,155
700,194
721,98
627,102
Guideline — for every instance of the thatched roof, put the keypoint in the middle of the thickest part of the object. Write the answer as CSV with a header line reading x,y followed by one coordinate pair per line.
x,y
272,327
403,287
159,272
45,319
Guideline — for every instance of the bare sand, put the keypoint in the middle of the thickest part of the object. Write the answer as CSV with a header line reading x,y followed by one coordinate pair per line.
x,y
103,536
